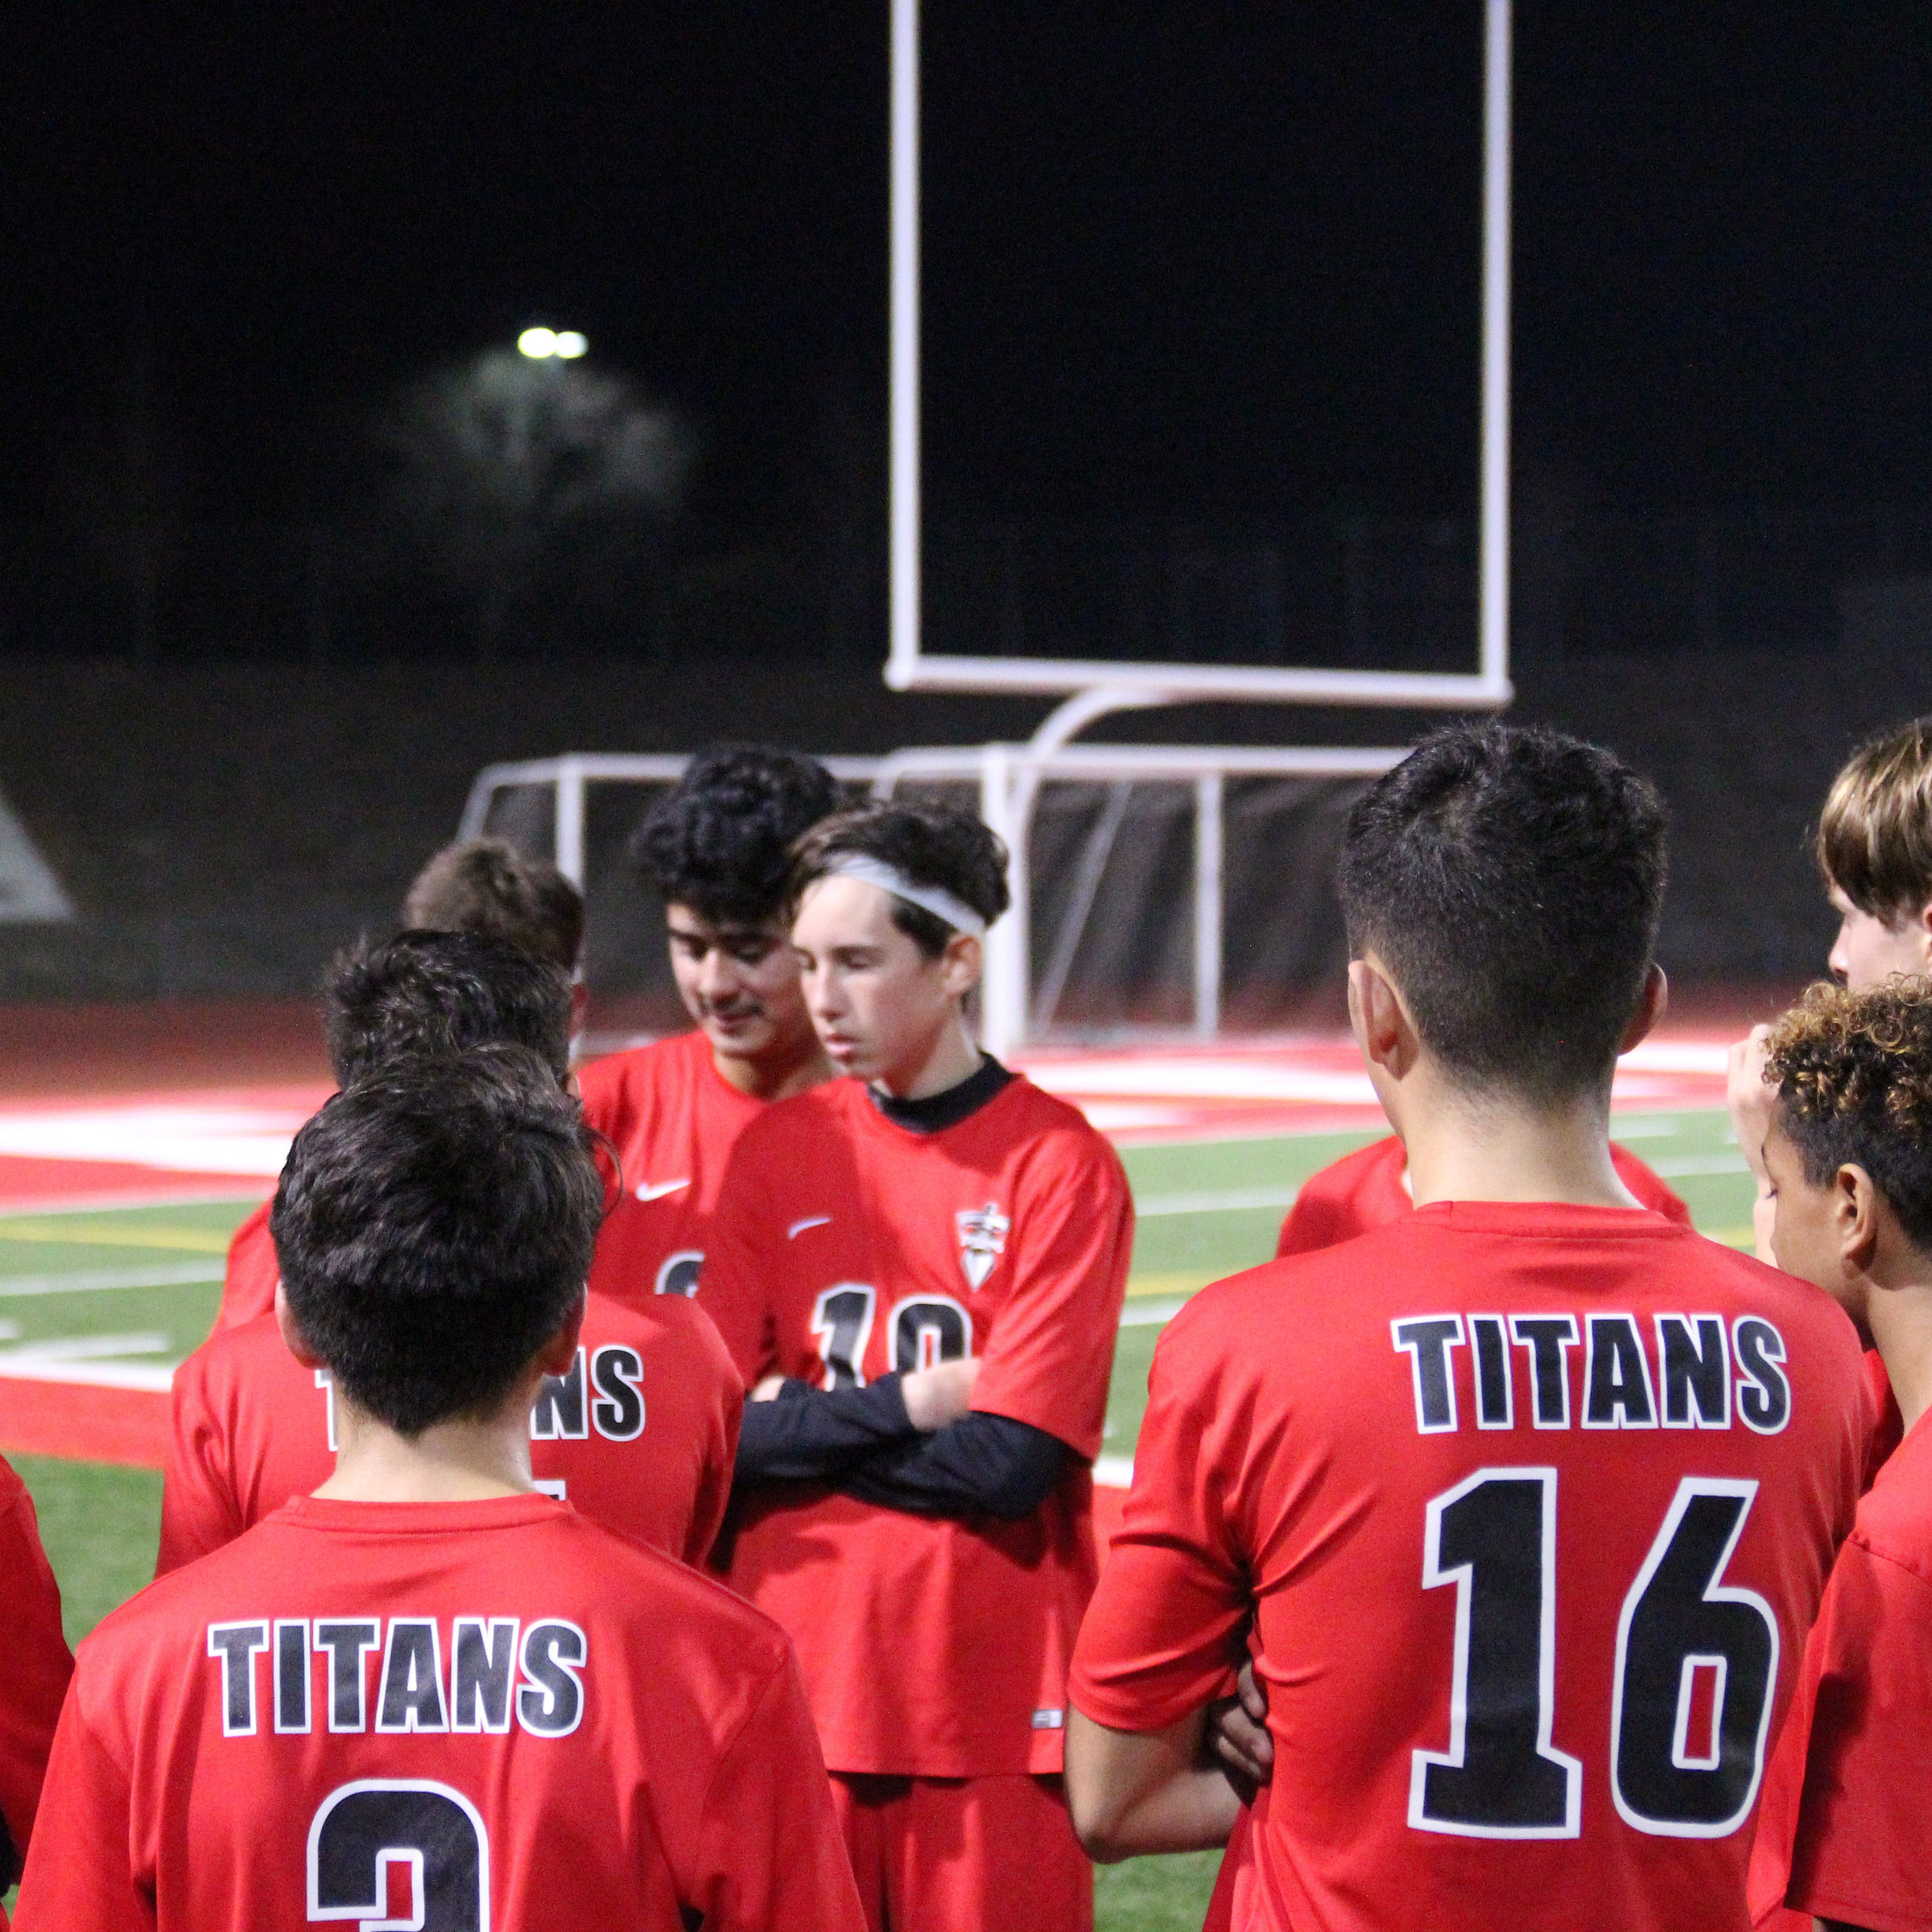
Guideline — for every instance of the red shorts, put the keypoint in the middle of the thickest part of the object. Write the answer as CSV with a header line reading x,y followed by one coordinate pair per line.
x,y
964,1854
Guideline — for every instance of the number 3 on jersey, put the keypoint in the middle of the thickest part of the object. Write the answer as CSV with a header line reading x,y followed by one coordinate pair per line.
x,y
1696,1665
435,1835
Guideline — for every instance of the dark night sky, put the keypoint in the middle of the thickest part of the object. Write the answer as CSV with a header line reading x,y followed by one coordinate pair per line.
x,y
1183,261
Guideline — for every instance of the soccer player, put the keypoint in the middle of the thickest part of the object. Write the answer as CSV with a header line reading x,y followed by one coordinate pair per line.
x,y
1529,1497
430,1695
1874,849
1843,1834
640,1431
716,848
36,1676
921,1269
476,885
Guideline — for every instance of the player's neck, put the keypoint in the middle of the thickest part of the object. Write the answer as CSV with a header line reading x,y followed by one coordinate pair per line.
x,y
793,1067
950,1058
1898,1312
1487,1149
462,1461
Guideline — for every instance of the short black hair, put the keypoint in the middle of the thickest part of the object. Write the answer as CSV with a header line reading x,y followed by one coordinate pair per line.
x,y
1854,1078
1511,878
718,841
487,886
432,992
434,1226
931,843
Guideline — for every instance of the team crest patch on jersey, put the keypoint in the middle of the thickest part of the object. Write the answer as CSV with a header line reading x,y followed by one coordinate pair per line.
x,y
982,1241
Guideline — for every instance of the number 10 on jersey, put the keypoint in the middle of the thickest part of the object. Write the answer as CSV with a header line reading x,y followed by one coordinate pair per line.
x,y
1696,1665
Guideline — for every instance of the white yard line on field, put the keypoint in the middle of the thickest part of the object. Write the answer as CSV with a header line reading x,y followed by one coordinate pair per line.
x,y
101,1280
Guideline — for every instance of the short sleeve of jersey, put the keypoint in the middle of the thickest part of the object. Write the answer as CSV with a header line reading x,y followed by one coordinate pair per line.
x,y
1860,1853
38,1665
735,1288
248,1285
1162,1634
79,1875
1051,1354
710,1365
200,1511
797,1874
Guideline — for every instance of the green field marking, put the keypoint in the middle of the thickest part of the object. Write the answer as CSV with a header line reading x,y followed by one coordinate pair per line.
x,y
85,1274
101,1526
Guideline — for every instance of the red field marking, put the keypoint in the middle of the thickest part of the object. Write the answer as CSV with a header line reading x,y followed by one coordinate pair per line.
x,y
84,1422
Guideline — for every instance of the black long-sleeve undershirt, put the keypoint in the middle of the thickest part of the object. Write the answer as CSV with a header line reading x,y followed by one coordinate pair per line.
x,y
862,1441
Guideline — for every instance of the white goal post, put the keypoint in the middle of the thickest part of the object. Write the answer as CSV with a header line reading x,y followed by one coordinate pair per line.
x,y
1008,779
909,667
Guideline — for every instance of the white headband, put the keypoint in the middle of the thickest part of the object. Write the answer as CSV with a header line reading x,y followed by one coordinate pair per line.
x,y
935,899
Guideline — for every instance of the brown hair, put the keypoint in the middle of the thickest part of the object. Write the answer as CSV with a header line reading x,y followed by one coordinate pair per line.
x,y
931,843
1854,1077
1875,837
487,886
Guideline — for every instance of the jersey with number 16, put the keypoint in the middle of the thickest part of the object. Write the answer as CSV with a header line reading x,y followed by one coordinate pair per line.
x,y
1532,1505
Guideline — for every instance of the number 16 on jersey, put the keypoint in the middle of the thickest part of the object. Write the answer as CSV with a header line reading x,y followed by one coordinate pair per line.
x,y
1696,1665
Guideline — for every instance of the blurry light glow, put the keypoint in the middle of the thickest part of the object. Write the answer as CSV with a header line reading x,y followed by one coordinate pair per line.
x,y
540,343
570,345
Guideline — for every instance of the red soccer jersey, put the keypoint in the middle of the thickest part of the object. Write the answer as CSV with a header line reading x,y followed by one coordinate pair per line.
x,y
1531,1506
640,1435
38,1666
458,1715
845,1247
1369,1188
1843,1831
674,1119
248,1287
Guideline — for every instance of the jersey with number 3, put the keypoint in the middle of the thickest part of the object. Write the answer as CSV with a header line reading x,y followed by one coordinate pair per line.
x,y
640,1434
462,1717
1532,1506
846,1247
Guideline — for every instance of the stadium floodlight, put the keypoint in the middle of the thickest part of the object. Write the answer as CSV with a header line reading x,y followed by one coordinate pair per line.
x,y
909,667
539,344
570,345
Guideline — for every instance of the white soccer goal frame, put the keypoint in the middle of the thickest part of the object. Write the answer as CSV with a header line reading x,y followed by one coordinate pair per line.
x,y
910,667
1008,778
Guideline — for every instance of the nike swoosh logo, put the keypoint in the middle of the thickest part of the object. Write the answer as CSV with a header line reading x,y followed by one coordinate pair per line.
x,y
657,1190
811,1220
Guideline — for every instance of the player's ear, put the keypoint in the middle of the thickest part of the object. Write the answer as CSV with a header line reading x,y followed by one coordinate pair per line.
x,y
1855,1213
1382,1026
1650,1008
556,1355
960,965
291,1335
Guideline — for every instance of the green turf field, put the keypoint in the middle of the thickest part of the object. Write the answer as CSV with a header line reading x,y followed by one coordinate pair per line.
x,y
141,1285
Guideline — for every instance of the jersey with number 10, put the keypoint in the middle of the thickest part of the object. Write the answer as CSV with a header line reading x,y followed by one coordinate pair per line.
x,y
846,1247
464,1717
1532,1506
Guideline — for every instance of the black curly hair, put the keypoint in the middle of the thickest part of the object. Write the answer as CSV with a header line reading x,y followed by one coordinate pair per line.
x,y
1511,878
932,844
720,841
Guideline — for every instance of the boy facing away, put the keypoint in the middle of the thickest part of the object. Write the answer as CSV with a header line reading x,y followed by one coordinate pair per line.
x,y
640,1431
1529,1497
429,1695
